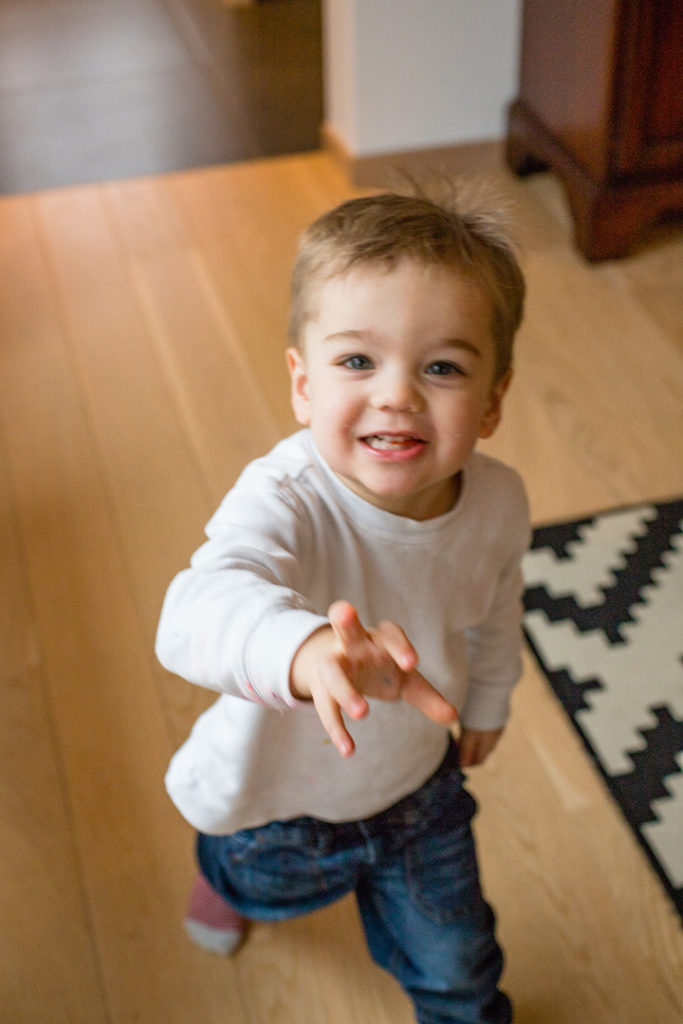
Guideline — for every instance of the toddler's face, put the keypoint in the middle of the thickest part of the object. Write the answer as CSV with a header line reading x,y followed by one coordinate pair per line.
x,y
395,379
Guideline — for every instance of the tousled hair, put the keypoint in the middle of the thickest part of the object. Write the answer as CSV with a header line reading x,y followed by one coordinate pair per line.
x,y
389,227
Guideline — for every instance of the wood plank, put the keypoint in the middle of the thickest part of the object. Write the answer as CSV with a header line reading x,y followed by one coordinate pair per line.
x,y
219,403
112,739
47,956
317,970
134,432
49,969
19,641
158,497
245,220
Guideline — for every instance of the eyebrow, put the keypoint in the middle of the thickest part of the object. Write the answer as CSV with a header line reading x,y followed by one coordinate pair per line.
x,y
361,336
351,334
463,343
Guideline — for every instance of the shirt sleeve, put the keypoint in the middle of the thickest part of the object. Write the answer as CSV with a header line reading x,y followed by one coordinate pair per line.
x,y
494,646
234,619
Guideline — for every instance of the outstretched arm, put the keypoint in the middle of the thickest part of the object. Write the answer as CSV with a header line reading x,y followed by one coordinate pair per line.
x,y
342,664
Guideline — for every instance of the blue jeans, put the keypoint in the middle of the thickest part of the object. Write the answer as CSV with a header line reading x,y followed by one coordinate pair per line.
x,y
414,871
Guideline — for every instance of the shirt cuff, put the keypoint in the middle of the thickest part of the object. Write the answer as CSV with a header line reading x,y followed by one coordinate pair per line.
x,y
270,652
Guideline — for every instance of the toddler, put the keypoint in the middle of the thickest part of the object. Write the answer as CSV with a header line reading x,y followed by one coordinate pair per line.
x,y
359,594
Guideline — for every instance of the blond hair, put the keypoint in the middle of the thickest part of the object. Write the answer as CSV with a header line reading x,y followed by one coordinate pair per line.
x,y
391,226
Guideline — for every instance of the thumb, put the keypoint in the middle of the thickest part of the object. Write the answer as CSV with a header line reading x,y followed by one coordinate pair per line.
x,y
348,629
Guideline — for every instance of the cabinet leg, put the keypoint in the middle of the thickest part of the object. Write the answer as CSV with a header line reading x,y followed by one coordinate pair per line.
x,y
523,154
609,216
520,157
612,220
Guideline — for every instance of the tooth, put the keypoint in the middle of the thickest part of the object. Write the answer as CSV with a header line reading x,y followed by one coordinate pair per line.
x,y
382,441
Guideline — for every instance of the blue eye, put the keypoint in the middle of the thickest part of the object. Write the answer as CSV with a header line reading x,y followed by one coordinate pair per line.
x,y
357,362
442,368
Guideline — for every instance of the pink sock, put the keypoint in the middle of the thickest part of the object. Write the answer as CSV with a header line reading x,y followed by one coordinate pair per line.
x,y
211,922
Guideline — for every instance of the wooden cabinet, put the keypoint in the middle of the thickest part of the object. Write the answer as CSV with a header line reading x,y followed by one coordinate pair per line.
x,y
601,104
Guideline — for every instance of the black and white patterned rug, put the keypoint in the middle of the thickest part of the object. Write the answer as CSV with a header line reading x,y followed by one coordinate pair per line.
x,y
604,617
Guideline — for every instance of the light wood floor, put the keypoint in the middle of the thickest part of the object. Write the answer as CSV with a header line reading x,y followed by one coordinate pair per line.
x,y
141,365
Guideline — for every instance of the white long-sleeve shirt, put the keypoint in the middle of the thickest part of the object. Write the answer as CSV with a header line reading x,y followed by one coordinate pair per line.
x,y
288,540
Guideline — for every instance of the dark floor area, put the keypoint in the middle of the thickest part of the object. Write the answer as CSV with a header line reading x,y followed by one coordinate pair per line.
x,y
93,90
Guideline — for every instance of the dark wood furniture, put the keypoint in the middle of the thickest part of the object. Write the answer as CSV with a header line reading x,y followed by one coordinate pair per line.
x,y
601,104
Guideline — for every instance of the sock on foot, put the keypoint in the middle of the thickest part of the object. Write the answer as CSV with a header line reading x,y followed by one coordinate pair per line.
x,y
211,922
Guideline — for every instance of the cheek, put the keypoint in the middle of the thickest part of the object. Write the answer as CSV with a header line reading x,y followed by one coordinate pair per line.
x,y
463,424
334,416
336,402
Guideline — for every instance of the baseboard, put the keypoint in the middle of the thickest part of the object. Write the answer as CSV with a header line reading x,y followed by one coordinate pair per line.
x,y
383,169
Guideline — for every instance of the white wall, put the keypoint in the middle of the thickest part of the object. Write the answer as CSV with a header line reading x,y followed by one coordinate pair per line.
x,y
411,74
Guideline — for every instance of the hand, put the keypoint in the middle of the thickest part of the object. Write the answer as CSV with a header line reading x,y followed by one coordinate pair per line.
x,y
339,666
475,745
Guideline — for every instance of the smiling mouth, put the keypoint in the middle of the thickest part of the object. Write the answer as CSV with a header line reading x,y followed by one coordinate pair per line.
x,y
392,442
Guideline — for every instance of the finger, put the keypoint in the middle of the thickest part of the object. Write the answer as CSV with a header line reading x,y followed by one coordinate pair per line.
x,y
335,682
420,694
347,627
332,722
333,695
394,641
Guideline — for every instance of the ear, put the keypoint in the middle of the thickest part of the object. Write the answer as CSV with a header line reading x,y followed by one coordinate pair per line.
x,y
301,403
494,410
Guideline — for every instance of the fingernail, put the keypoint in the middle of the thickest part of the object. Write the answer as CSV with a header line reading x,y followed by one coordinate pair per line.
x,y
358,708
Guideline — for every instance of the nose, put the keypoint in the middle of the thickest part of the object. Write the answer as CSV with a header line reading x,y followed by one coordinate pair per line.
x,y
396,390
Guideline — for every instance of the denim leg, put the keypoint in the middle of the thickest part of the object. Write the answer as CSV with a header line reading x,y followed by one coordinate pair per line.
x,y
282,869
427,923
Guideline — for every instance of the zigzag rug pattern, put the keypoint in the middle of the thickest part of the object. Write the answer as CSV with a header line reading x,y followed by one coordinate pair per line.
x,y
604,618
